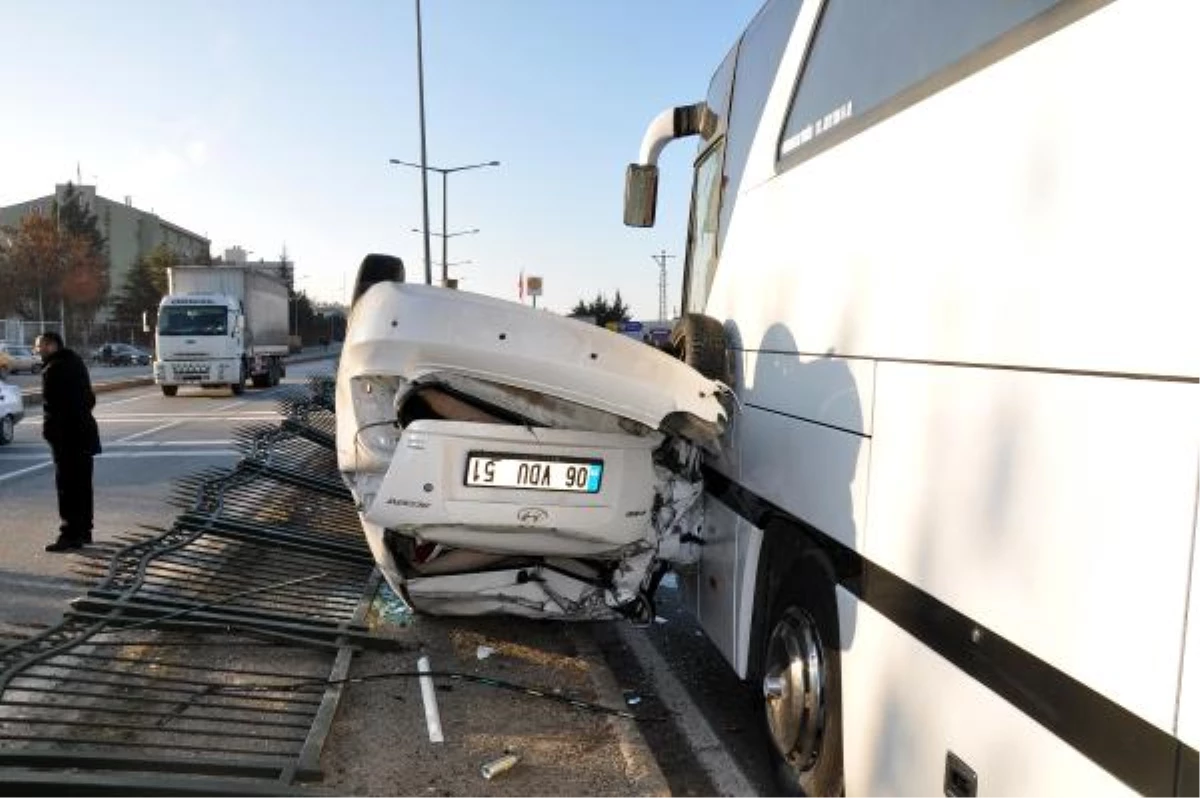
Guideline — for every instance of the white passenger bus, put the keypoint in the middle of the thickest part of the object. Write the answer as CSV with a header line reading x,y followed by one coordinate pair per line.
x,y
947,253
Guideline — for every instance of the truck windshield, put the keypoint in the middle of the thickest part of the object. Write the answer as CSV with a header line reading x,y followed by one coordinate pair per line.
x,y
193,320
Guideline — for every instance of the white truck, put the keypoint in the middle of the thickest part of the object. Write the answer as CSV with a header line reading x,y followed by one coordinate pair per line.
x,y
219,325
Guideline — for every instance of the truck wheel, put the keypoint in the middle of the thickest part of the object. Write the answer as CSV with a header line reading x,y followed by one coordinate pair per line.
x,y
699,341
238,388
170,390
6,430
801,687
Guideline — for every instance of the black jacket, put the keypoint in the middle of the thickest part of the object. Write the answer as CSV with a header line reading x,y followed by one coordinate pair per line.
x,y
67,402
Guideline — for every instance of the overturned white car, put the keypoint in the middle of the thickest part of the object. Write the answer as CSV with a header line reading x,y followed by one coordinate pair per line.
x,y
506,459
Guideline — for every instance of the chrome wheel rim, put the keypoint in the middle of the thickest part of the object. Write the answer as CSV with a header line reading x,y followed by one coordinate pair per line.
x,y
794,688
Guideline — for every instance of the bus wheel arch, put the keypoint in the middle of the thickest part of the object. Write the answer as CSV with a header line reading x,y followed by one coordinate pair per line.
x,y
799,667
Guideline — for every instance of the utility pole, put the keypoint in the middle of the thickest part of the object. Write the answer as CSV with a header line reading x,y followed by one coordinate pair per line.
x,y
424,162
661,260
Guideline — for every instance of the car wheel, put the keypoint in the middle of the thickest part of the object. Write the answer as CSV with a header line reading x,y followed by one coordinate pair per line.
x,y
6,430
699,341
801,687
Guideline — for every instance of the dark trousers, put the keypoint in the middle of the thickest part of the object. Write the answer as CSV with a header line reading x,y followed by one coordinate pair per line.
x,y
73,480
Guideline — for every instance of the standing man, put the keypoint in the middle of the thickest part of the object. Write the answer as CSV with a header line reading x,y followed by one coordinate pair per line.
x,y
70,429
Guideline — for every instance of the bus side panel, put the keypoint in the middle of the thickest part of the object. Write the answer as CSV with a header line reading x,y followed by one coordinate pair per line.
x,y
714,591
905,707
1056,510
1038,213
816,473
1189,694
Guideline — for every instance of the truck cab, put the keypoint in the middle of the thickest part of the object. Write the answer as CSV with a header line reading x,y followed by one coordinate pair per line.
x,y
200,341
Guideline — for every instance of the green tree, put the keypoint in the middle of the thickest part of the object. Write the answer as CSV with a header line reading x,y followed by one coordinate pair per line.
x,y
602,310
145,285
77,219
85,275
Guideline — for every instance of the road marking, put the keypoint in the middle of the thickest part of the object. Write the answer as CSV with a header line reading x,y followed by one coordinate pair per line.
x,y
252,415
184,418
31,469
123,401
226,442
213,452
724,772
184,453
150,431
12,452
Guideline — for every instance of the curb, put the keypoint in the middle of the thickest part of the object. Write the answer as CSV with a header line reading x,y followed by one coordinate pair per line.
x,y
644,775
33,396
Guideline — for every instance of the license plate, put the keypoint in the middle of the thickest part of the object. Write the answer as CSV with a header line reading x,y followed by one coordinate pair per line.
x,y
498,470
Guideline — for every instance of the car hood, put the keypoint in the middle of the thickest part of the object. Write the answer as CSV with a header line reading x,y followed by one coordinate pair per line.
x,y
417,332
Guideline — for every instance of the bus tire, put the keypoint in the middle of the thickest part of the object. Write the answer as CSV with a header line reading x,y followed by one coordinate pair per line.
x,y
170,390
699,341
801,704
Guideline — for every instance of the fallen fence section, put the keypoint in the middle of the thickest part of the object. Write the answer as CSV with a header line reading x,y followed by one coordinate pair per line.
x,y
206,660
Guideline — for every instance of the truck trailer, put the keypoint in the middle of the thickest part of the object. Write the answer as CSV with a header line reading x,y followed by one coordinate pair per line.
x,y
219,325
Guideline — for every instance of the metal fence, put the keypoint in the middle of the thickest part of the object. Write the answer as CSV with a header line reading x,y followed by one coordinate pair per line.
x,y
208,658
22,331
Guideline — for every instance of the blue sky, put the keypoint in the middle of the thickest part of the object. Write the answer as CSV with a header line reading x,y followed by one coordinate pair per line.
x,y
265,122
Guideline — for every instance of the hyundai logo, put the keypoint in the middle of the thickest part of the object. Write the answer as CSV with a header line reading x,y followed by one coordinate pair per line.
x,y
532,516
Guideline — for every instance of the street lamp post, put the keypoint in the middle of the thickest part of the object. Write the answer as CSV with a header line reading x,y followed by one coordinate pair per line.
x,y
445,204
424,173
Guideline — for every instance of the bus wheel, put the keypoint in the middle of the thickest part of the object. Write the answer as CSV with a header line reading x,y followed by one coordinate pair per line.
x,y
170,390
802,692
699,341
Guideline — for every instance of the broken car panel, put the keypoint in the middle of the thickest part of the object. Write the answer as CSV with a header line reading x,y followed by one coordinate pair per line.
x,y
506,459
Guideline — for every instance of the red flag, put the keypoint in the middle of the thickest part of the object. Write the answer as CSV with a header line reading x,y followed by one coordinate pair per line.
x,y
521,286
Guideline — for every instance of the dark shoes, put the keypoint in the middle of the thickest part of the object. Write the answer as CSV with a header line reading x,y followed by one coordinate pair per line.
x,y
68,544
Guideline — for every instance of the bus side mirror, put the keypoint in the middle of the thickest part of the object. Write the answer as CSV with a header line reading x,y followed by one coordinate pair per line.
x,y
641,195
145,321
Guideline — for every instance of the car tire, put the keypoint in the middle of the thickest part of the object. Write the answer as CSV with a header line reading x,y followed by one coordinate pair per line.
x,y
802,711
699,341
7,427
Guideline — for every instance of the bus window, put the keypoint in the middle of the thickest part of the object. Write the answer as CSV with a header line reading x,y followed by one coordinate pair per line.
x,y
702,238
865,54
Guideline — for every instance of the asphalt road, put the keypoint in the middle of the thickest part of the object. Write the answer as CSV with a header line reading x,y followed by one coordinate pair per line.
x,y
710,744
148,441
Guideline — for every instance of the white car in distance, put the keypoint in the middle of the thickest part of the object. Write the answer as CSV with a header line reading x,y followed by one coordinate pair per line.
x,y
12,410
